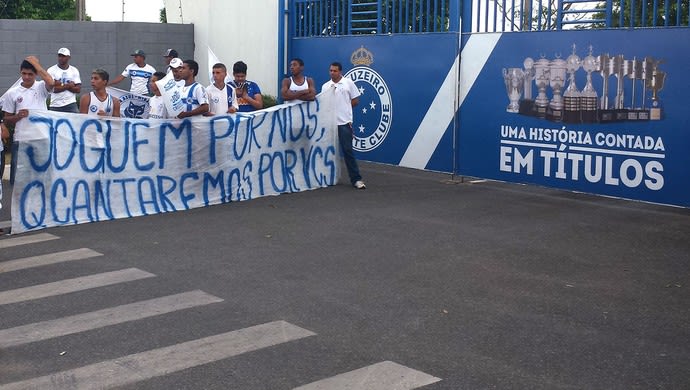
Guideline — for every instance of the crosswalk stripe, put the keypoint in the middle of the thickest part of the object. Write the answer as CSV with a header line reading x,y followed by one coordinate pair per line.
x,y
380,376
162,361
98,319
51,258
23,240
72,285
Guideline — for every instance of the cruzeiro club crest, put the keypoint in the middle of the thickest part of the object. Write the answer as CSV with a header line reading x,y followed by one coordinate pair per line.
x,y
373,114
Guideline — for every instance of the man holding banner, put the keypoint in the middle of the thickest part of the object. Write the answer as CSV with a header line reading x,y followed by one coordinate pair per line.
x,y
28,95
221,97
193,94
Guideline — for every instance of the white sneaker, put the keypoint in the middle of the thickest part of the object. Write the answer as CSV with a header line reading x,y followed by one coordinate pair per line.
x,y
360,185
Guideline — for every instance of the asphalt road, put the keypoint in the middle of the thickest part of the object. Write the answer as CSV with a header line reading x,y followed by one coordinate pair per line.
x,y
416,282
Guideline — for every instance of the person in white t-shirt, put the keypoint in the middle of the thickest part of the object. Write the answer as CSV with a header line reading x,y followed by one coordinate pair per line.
x,y
193,93
346,97
221,97
157,108
99,102
28,95
67,83
139,71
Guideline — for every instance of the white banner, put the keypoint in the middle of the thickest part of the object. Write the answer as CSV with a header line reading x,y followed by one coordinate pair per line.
x,y
86,169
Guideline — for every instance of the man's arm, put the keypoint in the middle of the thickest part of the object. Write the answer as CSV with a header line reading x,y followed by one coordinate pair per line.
x,y
45,76
117,79
355,101
116,106
202,109
84,102
4,132
310,93
12,118
285,89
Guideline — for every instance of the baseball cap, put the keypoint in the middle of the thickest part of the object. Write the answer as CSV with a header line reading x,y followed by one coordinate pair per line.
x,y
170,53
138,52
64,51
175,63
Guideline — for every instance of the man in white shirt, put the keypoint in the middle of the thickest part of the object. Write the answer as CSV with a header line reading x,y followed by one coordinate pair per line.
x,y
28,95
221,97
139,71
157,108
193,93
67,83
346,97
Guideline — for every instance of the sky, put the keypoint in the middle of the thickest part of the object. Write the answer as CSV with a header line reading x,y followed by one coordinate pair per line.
x,y
135,10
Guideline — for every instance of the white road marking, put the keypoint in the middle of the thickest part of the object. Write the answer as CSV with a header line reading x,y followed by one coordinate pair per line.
x,y
72,285
98,319
23,240
380,376
157,362
51,258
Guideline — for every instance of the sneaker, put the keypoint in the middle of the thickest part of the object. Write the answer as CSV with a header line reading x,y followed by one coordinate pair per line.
x,y
360,185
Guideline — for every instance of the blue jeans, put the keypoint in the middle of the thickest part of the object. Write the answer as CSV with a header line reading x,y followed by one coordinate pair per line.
x,y
345,139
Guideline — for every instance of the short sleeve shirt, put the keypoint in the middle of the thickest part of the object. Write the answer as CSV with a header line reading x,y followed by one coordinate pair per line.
x,y
345,91
140,77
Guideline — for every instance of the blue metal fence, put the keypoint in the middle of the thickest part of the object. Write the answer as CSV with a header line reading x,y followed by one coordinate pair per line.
x,y
351,17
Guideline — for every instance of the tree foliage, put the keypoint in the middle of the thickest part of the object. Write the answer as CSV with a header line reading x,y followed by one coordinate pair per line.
x,y
667,13
163,16
38,9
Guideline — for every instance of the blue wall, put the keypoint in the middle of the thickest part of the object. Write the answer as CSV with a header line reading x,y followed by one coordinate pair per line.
x,y
412,66
651,164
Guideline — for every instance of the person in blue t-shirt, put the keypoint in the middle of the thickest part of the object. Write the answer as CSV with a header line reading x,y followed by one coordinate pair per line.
x,y
248,92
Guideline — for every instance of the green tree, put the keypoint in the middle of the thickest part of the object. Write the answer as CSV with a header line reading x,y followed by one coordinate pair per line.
x,y
38,9
163,17
664,15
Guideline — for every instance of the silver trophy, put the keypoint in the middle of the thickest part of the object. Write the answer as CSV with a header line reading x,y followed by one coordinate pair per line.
x,y
527,104
633,69
541,77
557,69
514,79
588,96
571,96
605,66
529,77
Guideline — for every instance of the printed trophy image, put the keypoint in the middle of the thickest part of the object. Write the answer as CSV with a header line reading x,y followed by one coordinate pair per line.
x,y
588,97
634,72
527,104
620,71
514,79
606,69
541,76
571,105
557,70
571,96
656,84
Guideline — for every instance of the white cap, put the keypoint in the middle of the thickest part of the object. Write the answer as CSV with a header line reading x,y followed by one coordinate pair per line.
x,y
64,51
175,63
